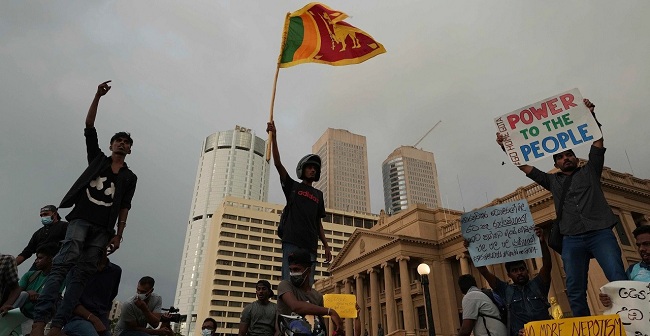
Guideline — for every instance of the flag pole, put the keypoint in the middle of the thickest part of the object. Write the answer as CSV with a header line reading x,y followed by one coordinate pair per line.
x,y
271,134
275,84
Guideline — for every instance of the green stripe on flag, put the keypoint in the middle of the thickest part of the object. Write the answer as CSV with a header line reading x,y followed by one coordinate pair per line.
x,y
295,35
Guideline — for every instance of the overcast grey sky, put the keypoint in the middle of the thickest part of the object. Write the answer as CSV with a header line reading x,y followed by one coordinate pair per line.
x,y
183,70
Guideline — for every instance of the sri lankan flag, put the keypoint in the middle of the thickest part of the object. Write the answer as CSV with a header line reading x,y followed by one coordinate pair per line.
x,y
317,34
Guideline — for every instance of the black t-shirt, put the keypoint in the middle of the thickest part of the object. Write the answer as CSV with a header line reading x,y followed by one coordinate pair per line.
x,y
94,203
302,227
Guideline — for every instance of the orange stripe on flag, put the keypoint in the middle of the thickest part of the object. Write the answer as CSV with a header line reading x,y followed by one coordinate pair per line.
x,y
311,39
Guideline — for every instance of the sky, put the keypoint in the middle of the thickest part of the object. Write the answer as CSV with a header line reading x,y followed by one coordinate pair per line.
x,y
184,70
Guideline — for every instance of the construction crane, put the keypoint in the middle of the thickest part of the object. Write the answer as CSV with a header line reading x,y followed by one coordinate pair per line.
x,y
422,138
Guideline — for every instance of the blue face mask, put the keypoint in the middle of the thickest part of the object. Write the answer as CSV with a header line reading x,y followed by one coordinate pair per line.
x,y
46,220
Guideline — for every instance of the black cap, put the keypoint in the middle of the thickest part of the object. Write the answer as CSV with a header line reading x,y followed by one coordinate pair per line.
x,y
301,257
49,208
265,284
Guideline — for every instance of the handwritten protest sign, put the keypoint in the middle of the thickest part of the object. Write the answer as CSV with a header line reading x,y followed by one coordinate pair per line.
x,y
631,301
344,304
504,232
550,126
604,325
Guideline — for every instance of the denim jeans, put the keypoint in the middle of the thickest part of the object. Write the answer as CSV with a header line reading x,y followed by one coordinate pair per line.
x,y
82,328
576,252
287,249
82,247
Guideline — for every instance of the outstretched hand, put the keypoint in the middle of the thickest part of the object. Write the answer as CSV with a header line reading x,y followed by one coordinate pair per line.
x,y
103,88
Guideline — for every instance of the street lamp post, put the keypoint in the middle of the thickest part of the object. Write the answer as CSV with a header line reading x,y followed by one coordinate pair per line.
x,y
424,270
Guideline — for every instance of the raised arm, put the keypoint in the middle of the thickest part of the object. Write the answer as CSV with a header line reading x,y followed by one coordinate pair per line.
x,y
598,143
102,89
270,128
524,168
489,277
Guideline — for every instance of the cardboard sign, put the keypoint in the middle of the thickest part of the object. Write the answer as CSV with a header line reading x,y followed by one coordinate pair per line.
x,y
502,233
604,325
344,304
550,126
631,301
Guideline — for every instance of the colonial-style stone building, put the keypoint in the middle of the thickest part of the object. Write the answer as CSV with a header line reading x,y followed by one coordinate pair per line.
x,y
378,265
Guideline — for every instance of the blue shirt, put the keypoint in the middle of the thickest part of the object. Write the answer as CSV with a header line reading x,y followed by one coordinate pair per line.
x,y
526,303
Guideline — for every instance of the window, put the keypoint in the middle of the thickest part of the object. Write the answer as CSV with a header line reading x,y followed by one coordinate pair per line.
x,y
218,302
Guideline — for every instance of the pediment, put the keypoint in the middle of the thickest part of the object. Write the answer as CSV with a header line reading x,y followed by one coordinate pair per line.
x,y
361,242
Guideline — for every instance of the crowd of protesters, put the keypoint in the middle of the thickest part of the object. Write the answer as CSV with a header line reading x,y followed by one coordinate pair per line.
x,y
70,254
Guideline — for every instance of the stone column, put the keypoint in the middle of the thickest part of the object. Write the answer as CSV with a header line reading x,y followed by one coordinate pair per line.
x,y
391,309
407,302
361,299
444,315
464,263
347,286
375,309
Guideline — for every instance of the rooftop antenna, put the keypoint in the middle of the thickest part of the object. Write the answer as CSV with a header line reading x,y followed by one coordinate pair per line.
x,y
427,133
628,162
461,192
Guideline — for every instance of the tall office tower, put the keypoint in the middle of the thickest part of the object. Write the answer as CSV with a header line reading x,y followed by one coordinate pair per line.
x,y
410,177
344,171
243,247
231,163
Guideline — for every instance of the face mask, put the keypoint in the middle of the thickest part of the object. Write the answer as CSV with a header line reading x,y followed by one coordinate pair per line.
x,y
297,278
206,332
46,220
141,296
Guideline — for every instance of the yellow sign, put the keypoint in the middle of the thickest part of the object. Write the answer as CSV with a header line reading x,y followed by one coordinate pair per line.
x,y
344,304
605,325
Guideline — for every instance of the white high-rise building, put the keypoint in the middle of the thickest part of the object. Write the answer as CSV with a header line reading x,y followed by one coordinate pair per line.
x,y
231,164
410,177
243,247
